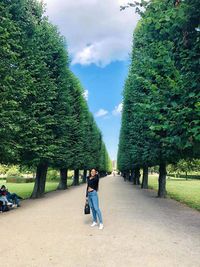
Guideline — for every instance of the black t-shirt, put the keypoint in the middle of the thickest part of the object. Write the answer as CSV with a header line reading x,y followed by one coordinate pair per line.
x,y
93,183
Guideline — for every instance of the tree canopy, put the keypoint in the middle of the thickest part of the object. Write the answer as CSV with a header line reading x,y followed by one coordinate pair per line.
x,y
45,119
160,120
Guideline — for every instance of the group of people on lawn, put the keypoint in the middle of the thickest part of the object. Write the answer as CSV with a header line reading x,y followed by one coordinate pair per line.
x,y
8,200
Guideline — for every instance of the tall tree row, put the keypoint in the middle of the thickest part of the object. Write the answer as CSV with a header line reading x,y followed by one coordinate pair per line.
x,y
45,120
161,114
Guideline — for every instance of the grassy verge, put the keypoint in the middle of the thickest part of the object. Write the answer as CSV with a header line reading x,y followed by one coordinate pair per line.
x,y
185,191
25,189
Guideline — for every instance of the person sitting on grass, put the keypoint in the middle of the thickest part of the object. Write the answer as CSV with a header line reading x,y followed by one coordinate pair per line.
x,y
11,197
1,206
5,203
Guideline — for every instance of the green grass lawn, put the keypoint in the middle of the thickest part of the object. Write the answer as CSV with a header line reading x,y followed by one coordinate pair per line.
x,y
185,191
25,189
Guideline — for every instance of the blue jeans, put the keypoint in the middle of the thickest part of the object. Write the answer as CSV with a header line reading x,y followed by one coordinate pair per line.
x,y
94,205
13,198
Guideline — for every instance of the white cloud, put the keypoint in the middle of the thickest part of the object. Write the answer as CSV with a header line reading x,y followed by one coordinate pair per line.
x,y
122,2
118,109
96,31
86,94
101,113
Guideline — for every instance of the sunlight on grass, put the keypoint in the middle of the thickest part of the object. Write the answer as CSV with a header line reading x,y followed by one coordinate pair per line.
x,y
25,189
185,191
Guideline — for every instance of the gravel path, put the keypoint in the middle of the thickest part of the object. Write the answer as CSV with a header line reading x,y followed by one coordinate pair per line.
x,y
140,230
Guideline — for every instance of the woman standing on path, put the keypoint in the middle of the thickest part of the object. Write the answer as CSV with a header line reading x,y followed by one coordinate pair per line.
x,y
91,194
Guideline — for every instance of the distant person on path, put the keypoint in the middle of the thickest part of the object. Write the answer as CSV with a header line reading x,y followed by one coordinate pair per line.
x,y
91,194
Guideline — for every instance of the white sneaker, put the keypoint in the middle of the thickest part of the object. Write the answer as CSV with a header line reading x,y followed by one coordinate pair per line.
x,y
93,224
101,226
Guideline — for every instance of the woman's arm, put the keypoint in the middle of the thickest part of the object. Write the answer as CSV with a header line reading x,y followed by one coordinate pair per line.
x,y
87,187
87,191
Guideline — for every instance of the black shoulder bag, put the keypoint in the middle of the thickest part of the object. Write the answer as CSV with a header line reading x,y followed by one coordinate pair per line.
x,y
87,207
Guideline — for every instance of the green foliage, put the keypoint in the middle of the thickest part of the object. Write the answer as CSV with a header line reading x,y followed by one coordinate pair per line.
x,y
105,161
52,175
45,120
13,171
185,166
3,169
10,74
161,107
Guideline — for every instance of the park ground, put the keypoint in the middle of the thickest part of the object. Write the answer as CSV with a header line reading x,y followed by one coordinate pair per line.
x,y
182,190
140,230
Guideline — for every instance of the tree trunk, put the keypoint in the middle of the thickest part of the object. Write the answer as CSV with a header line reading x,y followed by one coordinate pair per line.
x,y
40,180
102,173
132,175
84,176
127,175
137,176
145,177
162,180
76,177
63,179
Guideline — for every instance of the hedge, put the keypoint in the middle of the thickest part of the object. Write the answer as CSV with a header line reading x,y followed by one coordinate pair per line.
x,y
189,176
18,179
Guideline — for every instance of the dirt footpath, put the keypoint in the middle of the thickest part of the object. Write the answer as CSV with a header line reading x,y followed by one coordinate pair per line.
x,y
140,230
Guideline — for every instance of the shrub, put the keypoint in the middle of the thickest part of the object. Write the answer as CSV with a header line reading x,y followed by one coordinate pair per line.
x,y
53,175
189,176
19,179
3,169
13,171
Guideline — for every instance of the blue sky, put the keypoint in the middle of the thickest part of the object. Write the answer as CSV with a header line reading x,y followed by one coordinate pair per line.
x,y
99,39
104,87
